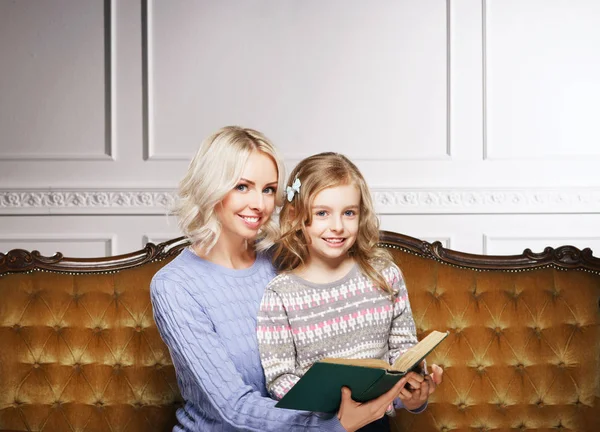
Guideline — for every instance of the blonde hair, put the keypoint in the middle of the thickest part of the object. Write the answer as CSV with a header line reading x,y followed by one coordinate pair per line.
x,y
316,173
213,172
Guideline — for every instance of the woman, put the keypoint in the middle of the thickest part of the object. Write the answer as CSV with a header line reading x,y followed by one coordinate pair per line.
x,y
206,300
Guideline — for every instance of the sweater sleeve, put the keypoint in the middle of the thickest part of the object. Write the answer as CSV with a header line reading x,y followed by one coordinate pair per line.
x,y
276,345
403,334
188,332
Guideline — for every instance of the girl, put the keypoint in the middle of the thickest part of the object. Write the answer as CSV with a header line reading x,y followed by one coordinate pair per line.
x,y
337,294
205,301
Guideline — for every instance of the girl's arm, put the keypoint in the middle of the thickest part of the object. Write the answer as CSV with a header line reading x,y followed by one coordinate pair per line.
x,y
403,333
276,345
193,343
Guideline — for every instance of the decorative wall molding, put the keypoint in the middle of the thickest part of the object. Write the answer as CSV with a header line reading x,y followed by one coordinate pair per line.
x,y
476,200
142,201
387,201
108,153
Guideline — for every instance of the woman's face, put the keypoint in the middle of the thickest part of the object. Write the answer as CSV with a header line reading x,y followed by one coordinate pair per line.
x,y
247,207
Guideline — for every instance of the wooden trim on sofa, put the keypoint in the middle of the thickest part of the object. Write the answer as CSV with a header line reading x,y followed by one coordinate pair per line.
x,y
564,257
20,260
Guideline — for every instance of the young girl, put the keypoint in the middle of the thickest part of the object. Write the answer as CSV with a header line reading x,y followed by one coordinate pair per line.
x,y
337,294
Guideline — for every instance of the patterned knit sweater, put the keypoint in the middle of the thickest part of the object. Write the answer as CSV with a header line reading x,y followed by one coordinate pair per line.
x,y
300,322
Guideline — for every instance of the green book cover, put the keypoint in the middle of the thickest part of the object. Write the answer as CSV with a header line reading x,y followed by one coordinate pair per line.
x,y
319,389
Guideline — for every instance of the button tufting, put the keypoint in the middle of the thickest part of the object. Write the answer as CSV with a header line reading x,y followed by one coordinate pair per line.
x,y
17,328
462,406
36,365
540,403
97,330
498,331
99,404
158,366
138,328
77,367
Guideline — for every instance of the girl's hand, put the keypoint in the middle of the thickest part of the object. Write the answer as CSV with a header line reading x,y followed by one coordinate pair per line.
x,y
422,386
354,415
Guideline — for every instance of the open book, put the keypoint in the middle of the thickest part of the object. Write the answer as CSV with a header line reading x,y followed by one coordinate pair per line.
x,y
319,390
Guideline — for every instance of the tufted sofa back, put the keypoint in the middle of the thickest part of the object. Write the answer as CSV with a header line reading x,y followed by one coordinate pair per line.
x,y
79,350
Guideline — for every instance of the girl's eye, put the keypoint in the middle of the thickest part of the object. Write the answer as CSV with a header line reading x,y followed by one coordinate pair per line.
x,y
270,190
350,213
321,213
242,187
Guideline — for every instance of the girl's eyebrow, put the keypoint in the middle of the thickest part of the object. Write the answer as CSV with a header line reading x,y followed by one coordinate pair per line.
x,y
352,207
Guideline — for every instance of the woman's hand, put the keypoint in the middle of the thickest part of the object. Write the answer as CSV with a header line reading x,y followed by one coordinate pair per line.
x,y
422,387
354,415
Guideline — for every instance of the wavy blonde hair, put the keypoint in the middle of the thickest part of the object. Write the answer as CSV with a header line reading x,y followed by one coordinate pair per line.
x,y
318,172
213,172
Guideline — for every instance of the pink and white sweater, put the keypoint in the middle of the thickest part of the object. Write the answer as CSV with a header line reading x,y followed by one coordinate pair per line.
x,y
300,322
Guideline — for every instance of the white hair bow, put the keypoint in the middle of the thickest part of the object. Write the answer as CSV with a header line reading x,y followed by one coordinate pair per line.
x,y
291,190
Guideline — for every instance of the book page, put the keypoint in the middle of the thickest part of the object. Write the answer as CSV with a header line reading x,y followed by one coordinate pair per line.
x,y
370,363
407,360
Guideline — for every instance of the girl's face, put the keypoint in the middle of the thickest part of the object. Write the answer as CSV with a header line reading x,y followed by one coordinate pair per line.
x,y
334,226
247,207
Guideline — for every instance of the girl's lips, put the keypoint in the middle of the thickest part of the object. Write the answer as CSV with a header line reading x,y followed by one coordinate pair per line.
x,y
334,242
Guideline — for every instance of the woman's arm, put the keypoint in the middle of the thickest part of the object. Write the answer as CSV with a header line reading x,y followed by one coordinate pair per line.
x,y
189,334
276,345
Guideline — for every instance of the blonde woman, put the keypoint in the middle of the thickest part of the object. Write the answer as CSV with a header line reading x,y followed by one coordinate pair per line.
x,y
337,294
206,300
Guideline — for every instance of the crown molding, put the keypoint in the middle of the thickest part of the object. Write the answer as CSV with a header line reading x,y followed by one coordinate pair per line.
x,y
387,201
81,201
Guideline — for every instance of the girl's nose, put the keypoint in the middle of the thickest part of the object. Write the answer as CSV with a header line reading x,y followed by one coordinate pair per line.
x,y
336,224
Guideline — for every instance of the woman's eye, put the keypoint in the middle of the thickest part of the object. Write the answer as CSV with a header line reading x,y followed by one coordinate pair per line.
x,y
270,190
321,213
242,187
350,213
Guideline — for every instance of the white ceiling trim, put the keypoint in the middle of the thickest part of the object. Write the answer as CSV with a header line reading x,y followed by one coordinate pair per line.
x,y
387,201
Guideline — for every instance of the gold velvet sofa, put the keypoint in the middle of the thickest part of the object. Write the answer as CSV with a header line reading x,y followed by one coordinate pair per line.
x,y
79,349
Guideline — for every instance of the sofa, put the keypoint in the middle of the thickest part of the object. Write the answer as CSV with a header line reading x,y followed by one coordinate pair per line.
x,y
80,350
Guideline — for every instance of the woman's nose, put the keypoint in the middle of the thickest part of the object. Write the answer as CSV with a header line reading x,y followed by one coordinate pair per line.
x,y
258,202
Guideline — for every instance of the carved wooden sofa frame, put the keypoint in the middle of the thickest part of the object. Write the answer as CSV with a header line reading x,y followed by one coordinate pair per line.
x,y
80,349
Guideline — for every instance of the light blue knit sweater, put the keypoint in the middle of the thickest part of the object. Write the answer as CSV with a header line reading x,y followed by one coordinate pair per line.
x,y
206,314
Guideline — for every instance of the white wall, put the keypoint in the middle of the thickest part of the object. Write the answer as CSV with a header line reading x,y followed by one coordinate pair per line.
x,y
475,122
